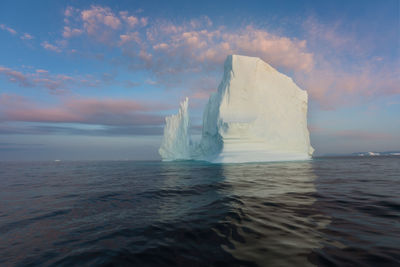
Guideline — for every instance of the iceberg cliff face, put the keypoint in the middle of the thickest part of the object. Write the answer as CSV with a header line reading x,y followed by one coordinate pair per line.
x,y
257,114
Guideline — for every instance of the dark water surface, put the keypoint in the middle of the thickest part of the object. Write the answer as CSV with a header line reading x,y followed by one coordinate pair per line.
x,y
325,212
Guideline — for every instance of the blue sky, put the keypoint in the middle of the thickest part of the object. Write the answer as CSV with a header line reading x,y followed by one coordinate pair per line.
x,y
81,80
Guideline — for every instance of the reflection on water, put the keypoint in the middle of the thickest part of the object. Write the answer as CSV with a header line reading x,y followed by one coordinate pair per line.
x,y
189,187
361,196
326,212
277,224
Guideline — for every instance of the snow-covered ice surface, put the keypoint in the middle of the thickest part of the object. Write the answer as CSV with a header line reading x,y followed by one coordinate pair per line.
x,y
257,114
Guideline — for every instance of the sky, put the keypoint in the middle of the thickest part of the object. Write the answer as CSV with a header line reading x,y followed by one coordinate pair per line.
x,y
94,80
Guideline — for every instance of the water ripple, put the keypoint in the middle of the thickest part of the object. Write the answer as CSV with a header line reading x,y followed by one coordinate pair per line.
x,y
326,212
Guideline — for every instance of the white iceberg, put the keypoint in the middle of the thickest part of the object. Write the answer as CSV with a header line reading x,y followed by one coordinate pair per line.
x,y
257,114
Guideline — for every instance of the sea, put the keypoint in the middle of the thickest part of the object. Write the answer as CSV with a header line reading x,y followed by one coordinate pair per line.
x,y
332,211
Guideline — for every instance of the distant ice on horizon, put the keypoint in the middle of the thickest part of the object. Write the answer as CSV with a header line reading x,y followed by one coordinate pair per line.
x,y
257,115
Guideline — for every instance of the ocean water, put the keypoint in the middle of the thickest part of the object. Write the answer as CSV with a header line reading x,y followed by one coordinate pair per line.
x,y
342,211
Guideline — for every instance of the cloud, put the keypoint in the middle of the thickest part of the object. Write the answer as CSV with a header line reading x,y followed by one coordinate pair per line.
x,y
82,110
346,71
6,28
68,32
144,21
40,78
46,45
277,50
365,135
99,15
333,87
164,45
70,11
129,37
196,47
109,130
202,87
102,24
351,134
161,46
132,21
42,71
15,76
55,83
26,36
331,36
61,83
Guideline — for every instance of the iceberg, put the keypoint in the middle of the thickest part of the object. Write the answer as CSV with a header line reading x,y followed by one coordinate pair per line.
x,y
257,114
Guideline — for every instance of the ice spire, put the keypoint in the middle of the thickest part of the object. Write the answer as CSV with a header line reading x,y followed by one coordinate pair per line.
x,y
176,141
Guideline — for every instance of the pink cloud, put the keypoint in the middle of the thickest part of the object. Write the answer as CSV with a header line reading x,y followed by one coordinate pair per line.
x,y
146,57
115,106
99,15
87,110
332,65
68,32
100,23
332,86
46,45
192,42
202,88
315,129
331,39
344,73
42,115
201,94
55,83
42,71
129,37
161,46
69,11
144,21
196,47
351,133
358,134
48,83
6,28
39,78
277,50
200,22
27,36
130,20
15,76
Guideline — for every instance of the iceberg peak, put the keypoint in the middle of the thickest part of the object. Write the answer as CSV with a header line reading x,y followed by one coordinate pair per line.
x,y
257,114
